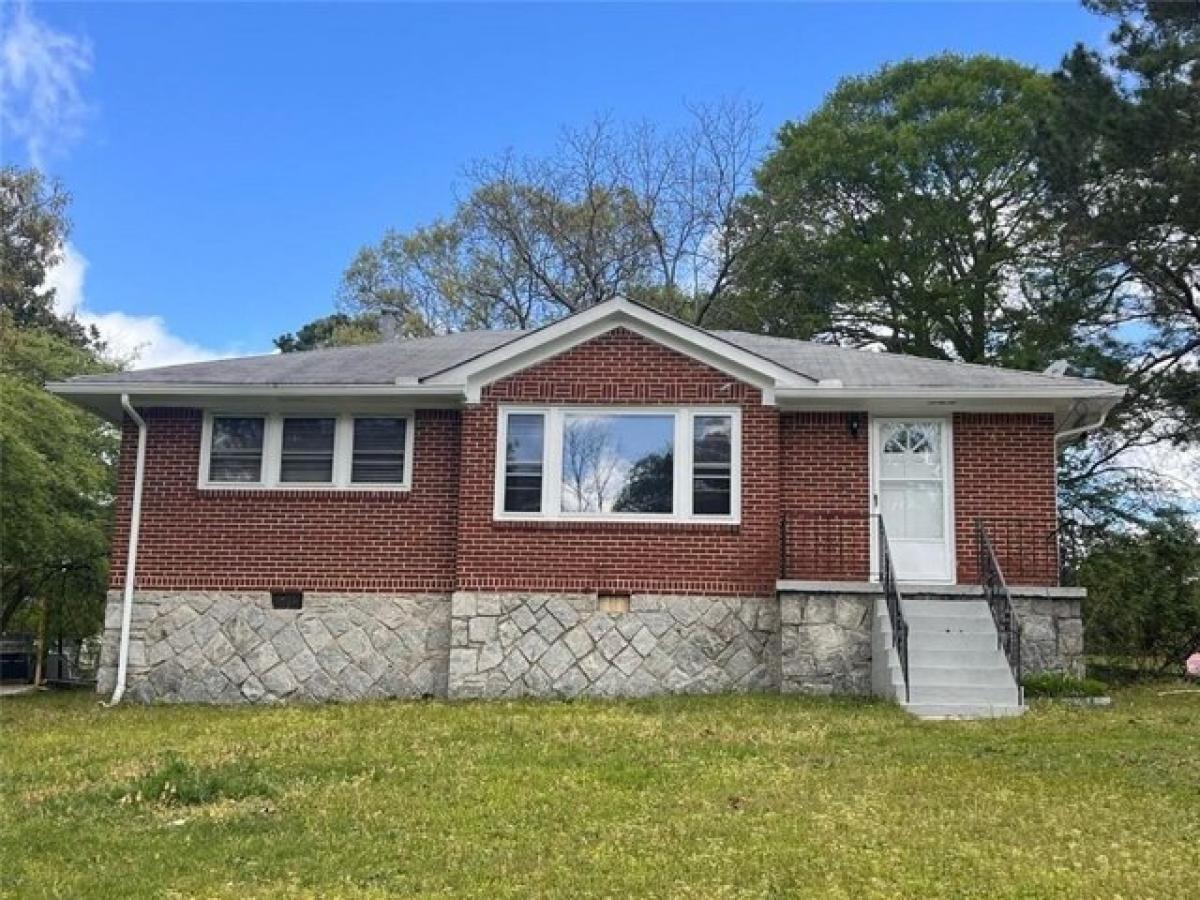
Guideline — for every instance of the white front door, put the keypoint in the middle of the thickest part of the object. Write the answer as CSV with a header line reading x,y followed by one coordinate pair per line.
x,y
911,491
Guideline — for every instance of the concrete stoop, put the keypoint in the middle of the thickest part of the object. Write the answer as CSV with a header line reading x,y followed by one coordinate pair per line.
x,y
956,668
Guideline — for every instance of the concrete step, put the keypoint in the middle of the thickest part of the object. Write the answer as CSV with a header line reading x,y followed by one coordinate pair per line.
x,y
976,642
995,695
955,610
991,658
963,710
994,676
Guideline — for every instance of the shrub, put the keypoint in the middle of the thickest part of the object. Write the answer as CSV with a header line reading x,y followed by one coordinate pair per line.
x,y
176,782
1144,594
1056,684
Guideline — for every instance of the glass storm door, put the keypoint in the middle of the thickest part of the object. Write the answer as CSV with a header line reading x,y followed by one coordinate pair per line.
x,y
912,493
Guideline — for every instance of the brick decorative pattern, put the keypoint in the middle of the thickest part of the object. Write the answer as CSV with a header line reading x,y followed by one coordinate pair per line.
x,y
247,539
562,645
1004,472
621,368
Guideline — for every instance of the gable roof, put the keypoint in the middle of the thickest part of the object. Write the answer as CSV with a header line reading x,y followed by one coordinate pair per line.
x,y
457,365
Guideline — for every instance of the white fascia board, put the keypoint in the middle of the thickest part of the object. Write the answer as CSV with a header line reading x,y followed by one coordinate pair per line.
x,y
160,389
790,395
1091,403
104,399
567,333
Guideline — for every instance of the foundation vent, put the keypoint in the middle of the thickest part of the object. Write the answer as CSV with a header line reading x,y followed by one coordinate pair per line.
x,y
287,599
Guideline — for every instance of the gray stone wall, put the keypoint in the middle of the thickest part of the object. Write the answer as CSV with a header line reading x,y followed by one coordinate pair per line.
x,y
825,642
1051,630
221,647
562,645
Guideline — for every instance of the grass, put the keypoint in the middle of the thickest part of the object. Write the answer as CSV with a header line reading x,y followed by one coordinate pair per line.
x,y
683,797
1056,684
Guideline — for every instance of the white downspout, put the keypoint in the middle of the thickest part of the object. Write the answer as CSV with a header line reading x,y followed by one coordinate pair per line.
x,y
135,521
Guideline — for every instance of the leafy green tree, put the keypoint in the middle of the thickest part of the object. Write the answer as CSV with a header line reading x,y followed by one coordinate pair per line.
x,y
33,230
337,330
908,212
1122,154
56,483
1144,594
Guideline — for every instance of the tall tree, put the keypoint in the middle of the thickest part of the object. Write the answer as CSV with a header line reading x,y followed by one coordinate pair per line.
x,y
33,231
56,481
1122,154
634,211
908,212
56,462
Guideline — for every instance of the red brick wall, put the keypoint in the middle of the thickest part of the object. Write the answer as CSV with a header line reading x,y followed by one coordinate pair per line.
x,y
441,535
261,539
1004,472
621,367
824,474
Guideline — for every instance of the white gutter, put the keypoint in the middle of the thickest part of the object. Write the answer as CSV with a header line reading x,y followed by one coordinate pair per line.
x,y
91,388
1089,426
135,521
1050,392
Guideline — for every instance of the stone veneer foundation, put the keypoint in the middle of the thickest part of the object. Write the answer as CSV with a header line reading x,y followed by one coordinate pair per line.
x,y
212,647
563,645
233,647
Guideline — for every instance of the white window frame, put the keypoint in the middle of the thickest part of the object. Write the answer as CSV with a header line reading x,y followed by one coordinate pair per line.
x,y
554,417
343,451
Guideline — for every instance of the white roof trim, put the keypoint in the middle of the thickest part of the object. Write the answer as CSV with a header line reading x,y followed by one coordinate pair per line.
x,y
561,336
999,392
140,388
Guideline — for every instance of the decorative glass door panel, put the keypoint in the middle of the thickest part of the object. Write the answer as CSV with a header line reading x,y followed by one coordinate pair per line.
x,y
911,493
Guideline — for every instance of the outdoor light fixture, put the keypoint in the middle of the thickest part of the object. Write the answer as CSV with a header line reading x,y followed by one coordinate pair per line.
x,y
855,421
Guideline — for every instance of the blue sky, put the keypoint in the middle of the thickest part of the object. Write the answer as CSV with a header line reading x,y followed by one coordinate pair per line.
x,y
227,160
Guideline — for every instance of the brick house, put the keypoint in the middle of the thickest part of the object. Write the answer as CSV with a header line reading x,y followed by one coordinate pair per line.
x,y
616,504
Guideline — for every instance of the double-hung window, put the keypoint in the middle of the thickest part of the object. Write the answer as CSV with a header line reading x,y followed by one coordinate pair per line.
x,y
236,449
315,451
306,451
639,463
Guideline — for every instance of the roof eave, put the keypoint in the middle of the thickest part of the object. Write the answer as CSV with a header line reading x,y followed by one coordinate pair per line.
x,y
103,398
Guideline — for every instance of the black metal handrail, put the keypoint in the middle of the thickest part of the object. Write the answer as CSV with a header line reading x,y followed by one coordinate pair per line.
x,y
891,596
1028,548
999,600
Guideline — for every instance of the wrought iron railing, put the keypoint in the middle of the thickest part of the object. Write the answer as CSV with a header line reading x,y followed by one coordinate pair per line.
x,y
825,546
1026,548
999,600
891,596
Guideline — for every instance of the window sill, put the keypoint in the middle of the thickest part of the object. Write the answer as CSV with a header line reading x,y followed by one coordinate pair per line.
x,y
307,490
647,525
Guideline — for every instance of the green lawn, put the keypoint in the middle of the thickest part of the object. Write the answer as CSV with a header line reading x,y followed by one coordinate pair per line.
x,y
700,797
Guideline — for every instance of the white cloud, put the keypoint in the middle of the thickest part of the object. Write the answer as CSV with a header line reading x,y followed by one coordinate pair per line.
x,y
41,71
141,341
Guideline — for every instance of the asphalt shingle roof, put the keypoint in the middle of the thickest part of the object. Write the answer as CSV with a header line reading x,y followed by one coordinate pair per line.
x,y
410,360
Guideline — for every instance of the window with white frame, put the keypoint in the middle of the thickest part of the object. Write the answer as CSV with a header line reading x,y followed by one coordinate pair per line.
x,y
236,449
288,451
649,463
